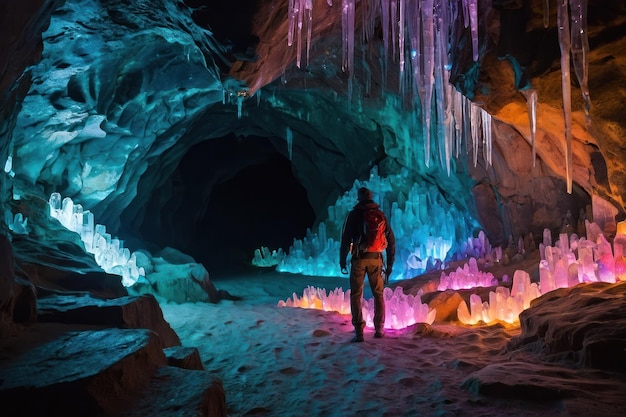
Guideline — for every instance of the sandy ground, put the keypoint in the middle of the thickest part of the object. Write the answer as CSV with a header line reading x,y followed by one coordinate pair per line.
x,y
279,361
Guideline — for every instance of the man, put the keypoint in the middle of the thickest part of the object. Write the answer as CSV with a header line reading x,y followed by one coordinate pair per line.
x,y
365,262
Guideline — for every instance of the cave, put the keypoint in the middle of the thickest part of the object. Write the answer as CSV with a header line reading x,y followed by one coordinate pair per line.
x,y
177,176
247,205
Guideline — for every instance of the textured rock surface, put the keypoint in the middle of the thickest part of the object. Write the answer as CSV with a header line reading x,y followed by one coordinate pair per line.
x,y
126,312
571,345
592,326
81,373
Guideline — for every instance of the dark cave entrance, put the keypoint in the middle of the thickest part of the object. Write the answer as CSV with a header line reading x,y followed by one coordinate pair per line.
x,y
251,199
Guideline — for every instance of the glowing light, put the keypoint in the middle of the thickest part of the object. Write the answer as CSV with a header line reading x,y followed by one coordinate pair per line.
x,y
108,251
401,310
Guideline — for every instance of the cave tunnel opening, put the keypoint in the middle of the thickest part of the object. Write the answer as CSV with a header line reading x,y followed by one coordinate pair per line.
x,y
252,199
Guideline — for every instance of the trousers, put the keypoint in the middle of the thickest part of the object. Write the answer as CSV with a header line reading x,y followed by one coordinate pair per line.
x,y
373,268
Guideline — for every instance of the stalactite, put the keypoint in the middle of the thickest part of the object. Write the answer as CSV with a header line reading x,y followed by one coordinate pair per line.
x,y
473,11
393,11
564,43
531,103
299,34
401,44
427,72
457,114
466,13
475,129
487,139
308,7
384,59
413,28
421,28
292,13
347,29
580,51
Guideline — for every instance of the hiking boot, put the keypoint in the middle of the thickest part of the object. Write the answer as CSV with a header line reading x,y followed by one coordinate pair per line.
x,y
357,338
379,334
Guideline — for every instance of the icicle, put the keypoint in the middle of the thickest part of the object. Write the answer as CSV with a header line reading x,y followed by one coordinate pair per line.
x,y
394,26
258,97
330,2
384,17
467,118
466,13
448,124
308,7
289,138
413,28
546,13
580,50
473,9
348,44
441,49
457,113
564,43
401,45
531,102
299,23
293,12
486,122
475,126
427,72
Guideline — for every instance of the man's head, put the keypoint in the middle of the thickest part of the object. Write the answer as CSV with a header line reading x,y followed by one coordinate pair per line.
x,y
364,194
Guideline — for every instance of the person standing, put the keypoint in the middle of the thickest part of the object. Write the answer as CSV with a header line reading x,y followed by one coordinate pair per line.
x,y
366,259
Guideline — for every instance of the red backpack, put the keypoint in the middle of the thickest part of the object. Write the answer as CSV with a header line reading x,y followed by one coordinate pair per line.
x,y
374,225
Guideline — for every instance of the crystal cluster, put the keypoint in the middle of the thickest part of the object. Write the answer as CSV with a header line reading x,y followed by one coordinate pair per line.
x,y
401,310
109,252
467,277
428,231
571,261
504,304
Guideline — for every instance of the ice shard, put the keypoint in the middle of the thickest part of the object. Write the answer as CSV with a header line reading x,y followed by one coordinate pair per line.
x,y
426,92
580,51
531,102
564,43
401,44
473,12
308,10
487,140
347,30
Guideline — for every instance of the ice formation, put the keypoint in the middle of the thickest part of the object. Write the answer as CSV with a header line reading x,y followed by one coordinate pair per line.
x,y
109,252
571,261
429,231
504,304
401,310
17,223
417,29
467,277
264,257
564,43
421,29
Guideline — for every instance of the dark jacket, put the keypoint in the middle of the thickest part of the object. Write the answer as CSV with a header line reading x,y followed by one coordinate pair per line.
x,y
353,229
